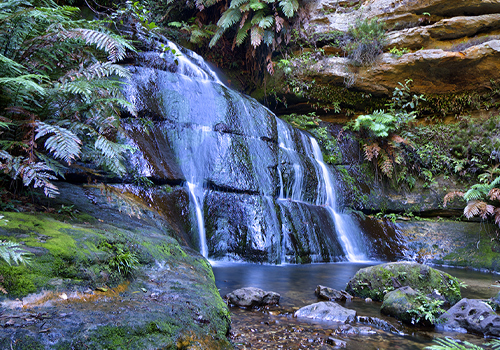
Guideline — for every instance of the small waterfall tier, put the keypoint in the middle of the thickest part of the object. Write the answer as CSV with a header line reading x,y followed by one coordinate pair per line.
x,y
259,189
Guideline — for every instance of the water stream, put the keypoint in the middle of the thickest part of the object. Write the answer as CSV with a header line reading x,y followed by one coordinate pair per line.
x,y
276,327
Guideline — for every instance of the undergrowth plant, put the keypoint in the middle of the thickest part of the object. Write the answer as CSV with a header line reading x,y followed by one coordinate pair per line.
x,y
454,344
60,87
364,41
386,141
426,310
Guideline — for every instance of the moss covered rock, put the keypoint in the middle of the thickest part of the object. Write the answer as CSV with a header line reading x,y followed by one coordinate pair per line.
x,y
106,281
375,281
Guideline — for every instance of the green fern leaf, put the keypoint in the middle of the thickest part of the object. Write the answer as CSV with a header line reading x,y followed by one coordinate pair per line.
x,y
237,3
26,82
63,143
256,5
242,34
229,18
289,7
11,252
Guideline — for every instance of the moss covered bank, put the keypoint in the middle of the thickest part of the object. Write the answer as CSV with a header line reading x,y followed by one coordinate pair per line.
x,y
100,279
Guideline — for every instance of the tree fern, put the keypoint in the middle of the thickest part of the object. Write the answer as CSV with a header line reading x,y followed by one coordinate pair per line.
x,y
60,87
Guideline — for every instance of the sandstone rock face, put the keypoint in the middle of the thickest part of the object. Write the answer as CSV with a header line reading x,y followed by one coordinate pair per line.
x,y
252,297
471,315
432,70
327,311
430,29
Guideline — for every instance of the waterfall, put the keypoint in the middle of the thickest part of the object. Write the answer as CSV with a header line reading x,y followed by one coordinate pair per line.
x,y
344,226
259,189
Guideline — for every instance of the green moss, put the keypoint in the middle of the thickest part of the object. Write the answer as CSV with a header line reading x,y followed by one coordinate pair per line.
x,y
21,343
374,282
18,280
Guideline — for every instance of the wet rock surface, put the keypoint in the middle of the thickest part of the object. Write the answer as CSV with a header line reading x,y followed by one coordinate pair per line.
x,y
326,311
471,315
375,281
327,293
252,297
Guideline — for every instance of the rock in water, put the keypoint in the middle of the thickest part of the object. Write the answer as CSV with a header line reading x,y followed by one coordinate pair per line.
x,y
252,297
375,281
328,293
471,315
327,311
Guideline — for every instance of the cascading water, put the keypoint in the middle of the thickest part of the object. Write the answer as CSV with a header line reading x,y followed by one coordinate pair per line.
x,y
259,188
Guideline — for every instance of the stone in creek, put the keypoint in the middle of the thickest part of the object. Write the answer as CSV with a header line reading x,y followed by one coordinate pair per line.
x,y
328,293
470,315
327,311
337,343
252,297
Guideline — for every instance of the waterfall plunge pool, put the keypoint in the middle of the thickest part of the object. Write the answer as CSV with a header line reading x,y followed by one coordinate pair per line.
x,y
276,328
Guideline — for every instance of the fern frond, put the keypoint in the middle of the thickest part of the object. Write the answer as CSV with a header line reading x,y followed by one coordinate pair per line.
x,y
478,208
256,5
476,192
256,35
450,196
452,344
266,22
218,34
114,45
236,4
63,143
289,7
494,194
386,164
112,152
26,82
11,252
371,151
242,34
228,18
497,216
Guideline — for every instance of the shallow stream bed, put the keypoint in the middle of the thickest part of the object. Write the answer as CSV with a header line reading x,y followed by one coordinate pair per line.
x,y
276,328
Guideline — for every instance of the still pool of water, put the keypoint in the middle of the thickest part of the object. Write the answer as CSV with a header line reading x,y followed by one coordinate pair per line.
x,y
276,328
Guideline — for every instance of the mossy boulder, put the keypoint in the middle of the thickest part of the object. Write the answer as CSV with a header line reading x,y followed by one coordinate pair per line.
x,y
375,281
78,293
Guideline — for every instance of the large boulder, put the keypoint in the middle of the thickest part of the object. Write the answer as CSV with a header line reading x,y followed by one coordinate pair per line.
x,y
375,281
252,297
326,311
471,315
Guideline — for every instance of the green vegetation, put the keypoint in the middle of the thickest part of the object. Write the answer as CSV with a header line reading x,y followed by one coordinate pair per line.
x,y
454,344
61,92
384,135
364,41
426,311
399,52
